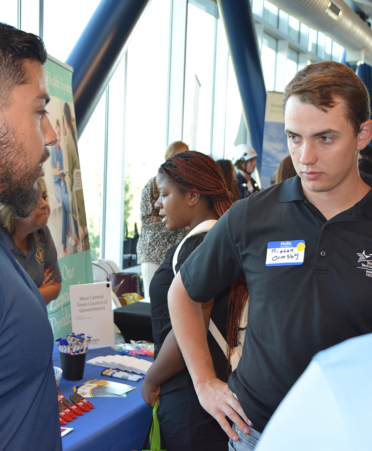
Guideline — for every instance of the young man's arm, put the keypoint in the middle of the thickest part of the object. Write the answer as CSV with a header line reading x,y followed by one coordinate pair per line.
x,y
214,395
169,362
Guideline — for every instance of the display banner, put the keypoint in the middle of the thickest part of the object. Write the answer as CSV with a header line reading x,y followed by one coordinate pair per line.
x,y
67,221
91,312
274,147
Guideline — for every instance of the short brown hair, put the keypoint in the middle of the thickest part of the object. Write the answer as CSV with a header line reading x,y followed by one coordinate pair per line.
x,y
285,170
321,83
16,46
174,148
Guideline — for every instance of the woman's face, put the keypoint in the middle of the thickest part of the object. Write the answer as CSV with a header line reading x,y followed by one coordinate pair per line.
x,y
39,217
173,204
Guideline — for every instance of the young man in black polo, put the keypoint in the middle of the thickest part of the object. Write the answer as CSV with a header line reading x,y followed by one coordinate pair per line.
x,y
302,247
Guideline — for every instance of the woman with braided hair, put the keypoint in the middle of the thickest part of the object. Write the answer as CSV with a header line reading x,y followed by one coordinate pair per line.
x,y
193,193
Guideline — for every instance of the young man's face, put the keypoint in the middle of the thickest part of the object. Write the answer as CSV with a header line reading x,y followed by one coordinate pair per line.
x,y
250,165
25,131
323,145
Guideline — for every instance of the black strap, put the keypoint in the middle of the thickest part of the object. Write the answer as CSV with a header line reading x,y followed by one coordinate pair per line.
x,y
146,444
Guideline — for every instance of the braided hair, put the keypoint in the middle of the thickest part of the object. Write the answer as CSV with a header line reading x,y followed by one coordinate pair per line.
x,y
195,171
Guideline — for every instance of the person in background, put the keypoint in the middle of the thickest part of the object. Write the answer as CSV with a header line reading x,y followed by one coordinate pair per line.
x,y
366,152
365,164
31,244
28,394
245,163
285,170
192,192
304,247
335,390
60,189
229,175
73,163
155,239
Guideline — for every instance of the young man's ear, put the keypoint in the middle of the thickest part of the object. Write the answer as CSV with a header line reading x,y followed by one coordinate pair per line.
x,y
193,198
365,134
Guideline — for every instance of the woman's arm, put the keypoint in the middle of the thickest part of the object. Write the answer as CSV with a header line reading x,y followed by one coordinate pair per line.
x,y
168,362
50,292
49,289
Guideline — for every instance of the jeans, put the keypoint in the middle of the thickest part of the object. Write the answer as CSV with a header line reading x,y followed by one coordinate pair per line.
x,y
245,442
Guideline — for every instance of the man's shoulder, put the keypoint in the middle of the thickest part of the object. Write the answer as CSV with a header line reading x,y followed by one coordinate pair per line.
x,y
9,277
6,238
4,255
267,197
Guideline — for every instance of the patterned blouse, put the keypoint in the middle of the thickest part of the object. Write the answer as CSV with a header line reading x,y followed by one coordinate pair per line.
x,y
155,239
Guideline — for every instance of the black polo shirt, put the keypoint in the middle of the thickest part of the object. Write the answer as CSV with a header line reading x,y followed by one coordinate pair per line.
x,y
295,310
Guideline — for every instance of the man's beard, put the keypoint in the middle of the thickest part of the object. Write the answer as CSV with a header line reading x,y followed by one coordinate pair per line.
x,y
18,187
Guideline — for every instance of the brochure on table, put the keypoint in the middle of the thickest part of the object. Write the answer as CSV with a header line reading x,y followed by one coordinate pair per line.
x,y
91,312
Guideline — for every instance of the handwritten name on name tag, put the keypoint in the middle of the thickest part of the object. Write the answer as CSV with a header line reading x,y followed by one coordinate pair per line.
x,y
285,253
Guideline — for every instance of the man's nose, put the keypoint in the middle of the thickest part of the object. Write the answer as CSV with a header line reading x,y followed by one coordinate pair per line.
x,y
308,154
49,133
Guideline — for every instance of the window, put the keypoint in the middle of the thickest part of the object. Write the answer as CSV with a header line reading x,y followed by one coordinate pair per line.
x,y
294,29
271,13
321,50
30,16
64,23
200,44
313,37
304,35
146,98
233,111
9,12
292,65
336,51
328,48
91,153
268,59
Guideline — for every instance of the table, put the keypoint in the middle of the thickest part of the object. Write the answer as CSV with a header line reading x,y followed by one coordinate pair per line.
x,y
115,424
134,321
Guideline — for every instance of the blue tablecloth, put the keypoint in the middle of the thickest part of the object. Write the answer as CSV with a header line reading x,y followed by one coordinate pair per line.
x,y
115,424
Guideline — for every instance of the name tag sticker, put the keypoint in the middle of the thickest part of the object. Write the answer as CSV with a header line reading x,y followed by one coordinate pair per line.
x,y
285,253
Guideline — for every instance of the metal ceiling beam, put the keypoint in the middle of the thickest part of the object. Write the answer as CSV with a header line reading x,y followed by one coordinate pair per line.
x,y
245,55
98,51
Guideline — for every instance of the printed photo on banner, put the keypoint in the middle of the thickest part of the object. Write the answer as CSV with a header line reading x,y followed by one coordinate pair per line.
x,y
63,178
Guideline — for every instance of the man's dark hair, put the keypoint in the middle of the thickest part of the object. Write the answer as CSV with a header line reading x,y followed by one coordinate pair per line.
x,y
321,84
15,47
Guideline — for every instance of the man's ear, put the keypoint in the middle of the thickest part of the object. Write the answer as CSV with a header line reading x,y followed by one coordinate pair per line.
x,y
193,198
365,134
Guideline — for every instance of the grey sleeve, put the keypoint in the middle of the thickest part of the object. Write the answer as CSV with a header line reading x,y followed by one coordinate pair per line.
x,y
51,259
214,265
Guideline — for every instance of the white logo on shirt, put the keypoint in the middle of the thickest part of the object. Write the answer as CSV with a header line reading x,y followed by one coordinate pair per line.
x,y
366,263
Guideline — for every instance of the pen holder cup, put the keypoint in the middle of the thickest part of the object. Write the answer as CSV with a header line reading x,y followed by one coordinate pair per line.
x,y
72,366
